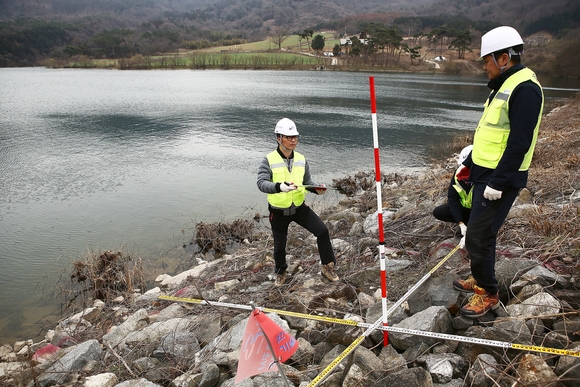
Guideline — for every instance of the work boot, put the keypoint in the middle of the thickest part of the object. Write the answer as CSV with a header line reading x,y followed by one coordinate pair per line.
x,y
280,279
465,286
480,303
328,271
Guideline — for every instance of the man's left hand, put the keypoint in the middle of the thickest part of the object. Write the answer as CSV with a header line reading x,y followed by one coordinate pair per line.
x,y
321,190
491,194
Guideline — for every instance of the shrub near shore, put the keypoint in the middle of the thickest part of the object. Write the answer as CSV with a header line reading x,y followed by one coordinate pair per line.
x,y
152,342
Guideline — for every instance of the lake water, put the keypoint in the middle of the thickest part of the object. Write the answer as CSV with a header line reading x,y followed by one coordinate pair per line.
x,y
94,160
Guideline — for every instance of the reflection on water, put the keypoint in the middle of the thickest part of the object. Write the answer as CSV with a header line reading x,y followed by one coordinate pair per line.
x,y
97,159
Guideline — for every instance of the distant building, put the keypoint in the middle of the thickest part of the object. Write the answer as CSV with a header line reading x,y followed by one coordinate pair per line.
x,y
344,42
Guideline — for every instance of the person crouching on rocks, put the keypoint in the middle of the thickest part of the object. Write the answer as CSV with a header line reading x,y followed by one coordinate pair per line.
x,y
458,206
283,175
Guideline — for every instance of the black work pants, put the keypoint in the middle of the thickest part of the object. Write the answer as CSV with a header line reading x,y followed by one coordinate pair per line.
x,y
484,223
308,219
443,213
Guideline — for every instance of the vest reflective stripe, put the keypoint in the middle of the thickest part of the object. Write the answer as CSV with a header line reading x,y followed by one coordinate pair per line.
x,y
464,197
280,174
491,135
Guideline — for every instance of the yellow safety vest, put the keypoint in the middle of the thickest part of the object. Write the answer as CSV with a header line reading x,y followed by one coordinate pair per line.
x,y
464,197
280,174
491,135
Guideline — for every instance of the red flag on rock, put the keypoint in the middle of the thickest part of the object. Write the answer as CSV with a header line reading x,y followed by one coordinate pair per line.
x,y
256,356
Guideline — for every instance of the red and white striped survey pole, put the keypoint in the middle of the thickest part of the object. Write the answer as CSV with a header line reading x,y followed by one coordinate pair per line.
x,y
379,210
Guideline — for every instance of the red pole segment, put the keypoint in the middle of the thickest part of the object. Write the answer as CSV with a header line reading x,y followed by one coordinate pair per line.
x,y
379,210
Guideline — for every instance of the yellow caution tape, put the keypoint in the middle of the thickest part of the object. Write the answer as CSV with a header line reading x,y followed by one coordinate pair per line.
x,y
336,361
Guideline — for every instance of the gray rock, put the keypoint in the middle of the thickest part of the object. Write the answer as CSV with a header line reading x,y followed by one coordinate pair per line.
x,y
412,353
536,326
542,305
136,321
552,279
365,364
416,377
533,370
514,331
435,292
439,368
507,270
470,351
320,350
231,382
207,327
525,292
391,359
304,354
153,333
74,360
345,334
444,367
556,340
568,368
433,319
371,223
453,383
210,375
181,346
108,379
142,382
331,355
174,310
483,372
461,323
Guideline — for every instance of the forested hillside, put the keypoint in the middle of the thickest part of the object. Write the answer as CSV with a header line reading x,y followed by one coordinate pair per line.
x,y
32,30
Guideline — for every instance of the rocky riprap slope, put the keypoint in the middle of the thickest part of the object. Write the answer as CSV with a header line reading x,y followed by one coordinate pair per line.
x,y
143,341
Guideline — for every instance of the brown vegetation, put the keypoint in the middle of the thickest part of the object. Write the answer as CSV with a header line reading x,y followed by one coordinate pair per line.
x,y
103,276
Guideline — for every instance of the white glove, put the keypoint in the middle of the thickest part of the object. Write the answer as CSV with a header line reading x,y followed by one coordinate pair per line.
x,y
463,228
321,190
491,194
462,243
287,187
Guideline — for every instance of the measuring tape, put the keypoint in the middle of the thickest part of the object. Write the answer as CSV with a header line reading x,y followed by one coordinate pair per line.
x,y
268,310
378,325
370,328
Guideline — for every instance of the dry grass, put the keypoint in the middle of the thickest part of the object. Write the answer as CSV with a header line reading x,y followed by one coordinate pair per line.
x,y
103,276
219,236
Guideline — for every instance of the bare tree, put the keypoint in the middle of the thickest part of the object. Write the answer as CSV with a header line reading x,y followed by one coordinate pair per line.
x,y
279,34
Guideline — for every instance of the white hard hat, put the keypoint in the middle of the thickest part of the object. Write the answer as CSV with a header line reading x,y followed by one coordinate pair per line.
x,y
287,127
463,154
499,38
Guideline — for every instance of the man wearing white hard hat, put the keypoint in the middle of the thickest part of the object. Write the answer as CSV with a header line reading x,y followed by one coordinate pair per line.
x,y
503,146
458,206
284,175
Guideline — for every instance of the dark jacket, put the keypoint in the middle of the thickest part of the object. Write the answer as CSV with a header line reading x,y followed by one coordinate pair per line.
x,y
525,105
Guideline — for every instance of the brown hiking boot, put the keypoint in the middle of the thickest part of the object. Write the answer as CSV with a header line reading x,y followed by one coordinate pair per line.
x,y
328,272
280,279
465,286
480,303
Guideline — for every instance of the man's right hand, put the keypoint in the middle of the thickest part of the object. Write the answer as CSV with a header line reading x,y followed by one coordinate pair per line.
x,y
287,187
491,194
